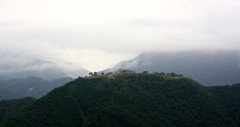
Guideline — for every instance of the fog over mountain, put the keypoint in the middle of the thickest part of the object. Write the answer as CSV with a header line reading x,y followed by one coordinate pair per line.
x,y
21,66
46,43
209,67
98,34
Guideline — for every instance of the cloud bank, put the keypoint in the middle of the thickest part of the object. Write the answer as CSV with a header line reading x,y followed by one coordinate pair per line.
x,y
97,34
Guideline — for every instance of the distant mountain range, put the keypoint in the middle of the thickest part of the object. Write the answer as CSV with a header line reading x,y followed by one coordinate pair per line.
x,y
25,76
213,67
21,66
126,98
29,87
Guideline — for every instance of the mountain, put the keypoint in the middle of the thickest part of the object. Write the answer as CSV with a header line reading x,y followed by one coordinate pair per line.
x,y
5,94
10,107
213,67
126,100
29,87
14,66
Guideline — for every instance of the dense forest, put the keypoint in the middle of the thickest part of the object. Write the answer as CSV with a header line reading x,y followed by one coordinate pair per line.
x,y
10,107
132,100
229,97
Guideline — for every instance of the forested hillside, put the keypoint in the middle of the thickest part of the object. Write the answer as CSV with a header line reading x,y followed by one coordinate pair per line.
x,y
128,100
11,107
229,97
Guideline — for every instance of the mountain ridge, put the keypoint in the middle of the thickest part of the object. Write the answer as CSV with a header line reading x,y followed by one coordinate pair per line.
x,y
209,67
129,100
22,66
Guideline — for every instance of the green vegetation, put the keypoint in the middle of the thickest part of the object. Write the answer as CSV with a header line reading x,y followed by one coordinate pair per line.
x,y
10,107
127,100
229,97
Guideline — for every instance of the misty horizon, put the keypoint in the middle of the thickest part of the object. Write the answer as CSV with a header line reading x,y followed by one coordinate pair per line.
x,y
96,35
119,63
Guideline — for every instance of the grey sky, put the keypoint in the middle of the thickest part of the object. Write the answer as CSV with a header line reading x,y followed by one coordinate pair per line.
x,y
97,34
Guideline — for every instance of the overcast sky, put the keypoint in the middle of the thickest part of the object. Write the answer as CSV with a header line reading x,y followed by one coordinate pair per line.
x,y
97,34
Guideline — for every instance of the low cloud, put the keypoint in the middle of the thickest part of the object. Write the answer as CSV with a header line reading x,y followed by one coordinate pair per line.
x,y
17,63
96,34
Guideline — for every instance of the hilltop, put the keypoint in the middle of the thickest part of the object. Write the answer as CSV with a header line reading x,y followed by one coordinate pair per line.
x,y
209,67
126,100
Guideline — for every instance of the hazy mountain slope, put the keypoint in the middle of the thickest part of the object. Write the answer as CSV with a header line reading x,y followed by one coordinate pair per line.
x,y
10,107
60,82
48,74
14,66
5,94
132,100
208,67
29,87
